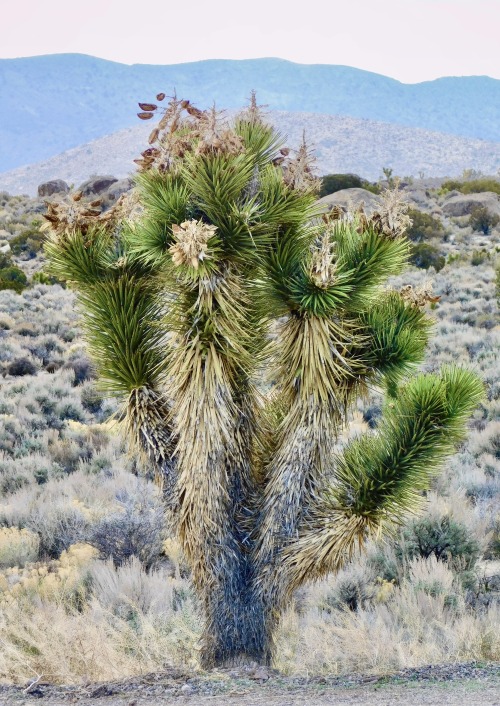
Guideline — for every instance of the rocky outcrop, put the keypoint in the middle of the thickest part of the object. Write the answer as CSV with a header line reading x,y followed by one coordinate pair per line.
x,y
350,198
55,186
118,188
97,185
463,204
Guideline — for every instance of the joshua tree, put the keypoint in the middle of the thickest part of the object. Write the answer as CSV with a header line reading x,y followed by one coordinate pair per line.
x,y
239,326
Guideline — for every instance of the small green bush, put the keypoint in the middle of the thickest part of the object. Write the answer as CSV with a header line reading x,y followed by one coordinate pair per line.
x,y
15,286
479,257
13,277
475,186
482,220
423,227
91,399
441,537
41,277
28,243
5,260
331,183
424,256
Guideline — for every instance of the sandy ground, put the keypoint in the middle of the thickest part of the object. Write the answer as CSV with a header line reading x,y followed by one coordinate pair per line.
x,y
467,684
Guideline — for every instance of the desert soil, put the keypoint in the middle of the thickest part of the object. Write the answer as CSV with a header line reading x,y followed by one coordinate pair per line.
x,y
467,684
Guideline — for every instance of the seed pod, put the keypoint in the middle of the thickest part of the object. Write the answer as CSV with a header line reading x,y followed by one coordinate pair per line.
x,y
154,136
77,195
145,116
285,151
147,106
184,104
160,97
195,112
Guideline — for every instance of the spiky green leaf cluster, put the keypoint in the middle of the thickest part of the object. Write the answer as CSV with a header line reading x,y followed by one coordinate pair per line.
x,y
380,477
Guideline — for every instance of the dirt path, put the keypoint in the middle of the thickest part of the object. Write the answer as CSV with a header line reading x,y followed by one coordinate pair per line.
x,y
447,685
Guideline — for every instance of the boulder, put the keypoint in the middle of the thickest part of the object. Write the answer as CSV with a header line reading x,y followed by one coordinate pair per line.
x,y
55,186
350,199
118,188
463,204
418,198
97,185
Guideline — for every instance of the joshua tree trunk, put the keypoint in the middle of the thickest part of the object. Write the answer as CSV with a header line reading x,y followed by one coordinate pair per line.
x,y
240,325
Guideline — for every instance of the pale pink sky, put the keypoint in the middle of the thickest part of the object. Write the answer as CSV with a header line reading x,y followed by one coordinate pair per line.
x,y
410,40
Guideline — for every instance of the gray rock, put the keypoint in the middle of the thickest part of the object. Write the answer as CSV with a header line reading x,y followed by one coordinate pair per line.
x,y
463,204
350,198
451,194
55,186
97,185
118,188
418,197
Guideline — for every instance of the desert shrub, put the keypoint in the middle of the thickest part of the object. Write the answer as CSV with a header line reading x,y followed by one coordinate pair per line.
x,y
28,243
137,529
27,328
67,453
18,547
92,399
441,537
479,257
487,441
493,549
45,348
70,409
13,278
6,322
42,277
385,564
353,588
82,369
474,186
21,366
482,220
10,483
5,260
424,226
434,578
41,475
425,256
331,183
14,286
58,527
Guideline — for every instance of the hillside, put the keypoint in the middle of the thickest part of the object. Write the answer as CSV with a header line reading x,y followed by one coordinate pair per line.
x,y
53,103
342,144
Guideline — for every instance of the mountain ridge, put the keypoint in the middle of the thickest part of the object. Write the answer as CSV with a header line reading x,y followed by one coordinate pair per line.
x,y
55,102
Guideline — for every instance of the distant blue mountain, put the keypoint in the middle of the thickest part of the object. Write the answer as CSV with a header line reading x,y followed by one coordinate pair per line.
x,y
52,103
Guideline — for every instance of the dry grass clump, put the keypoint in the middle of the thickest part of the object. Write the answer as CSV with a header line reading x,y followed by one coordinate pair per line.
x,y
17,547
413,625
90,621
78,619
